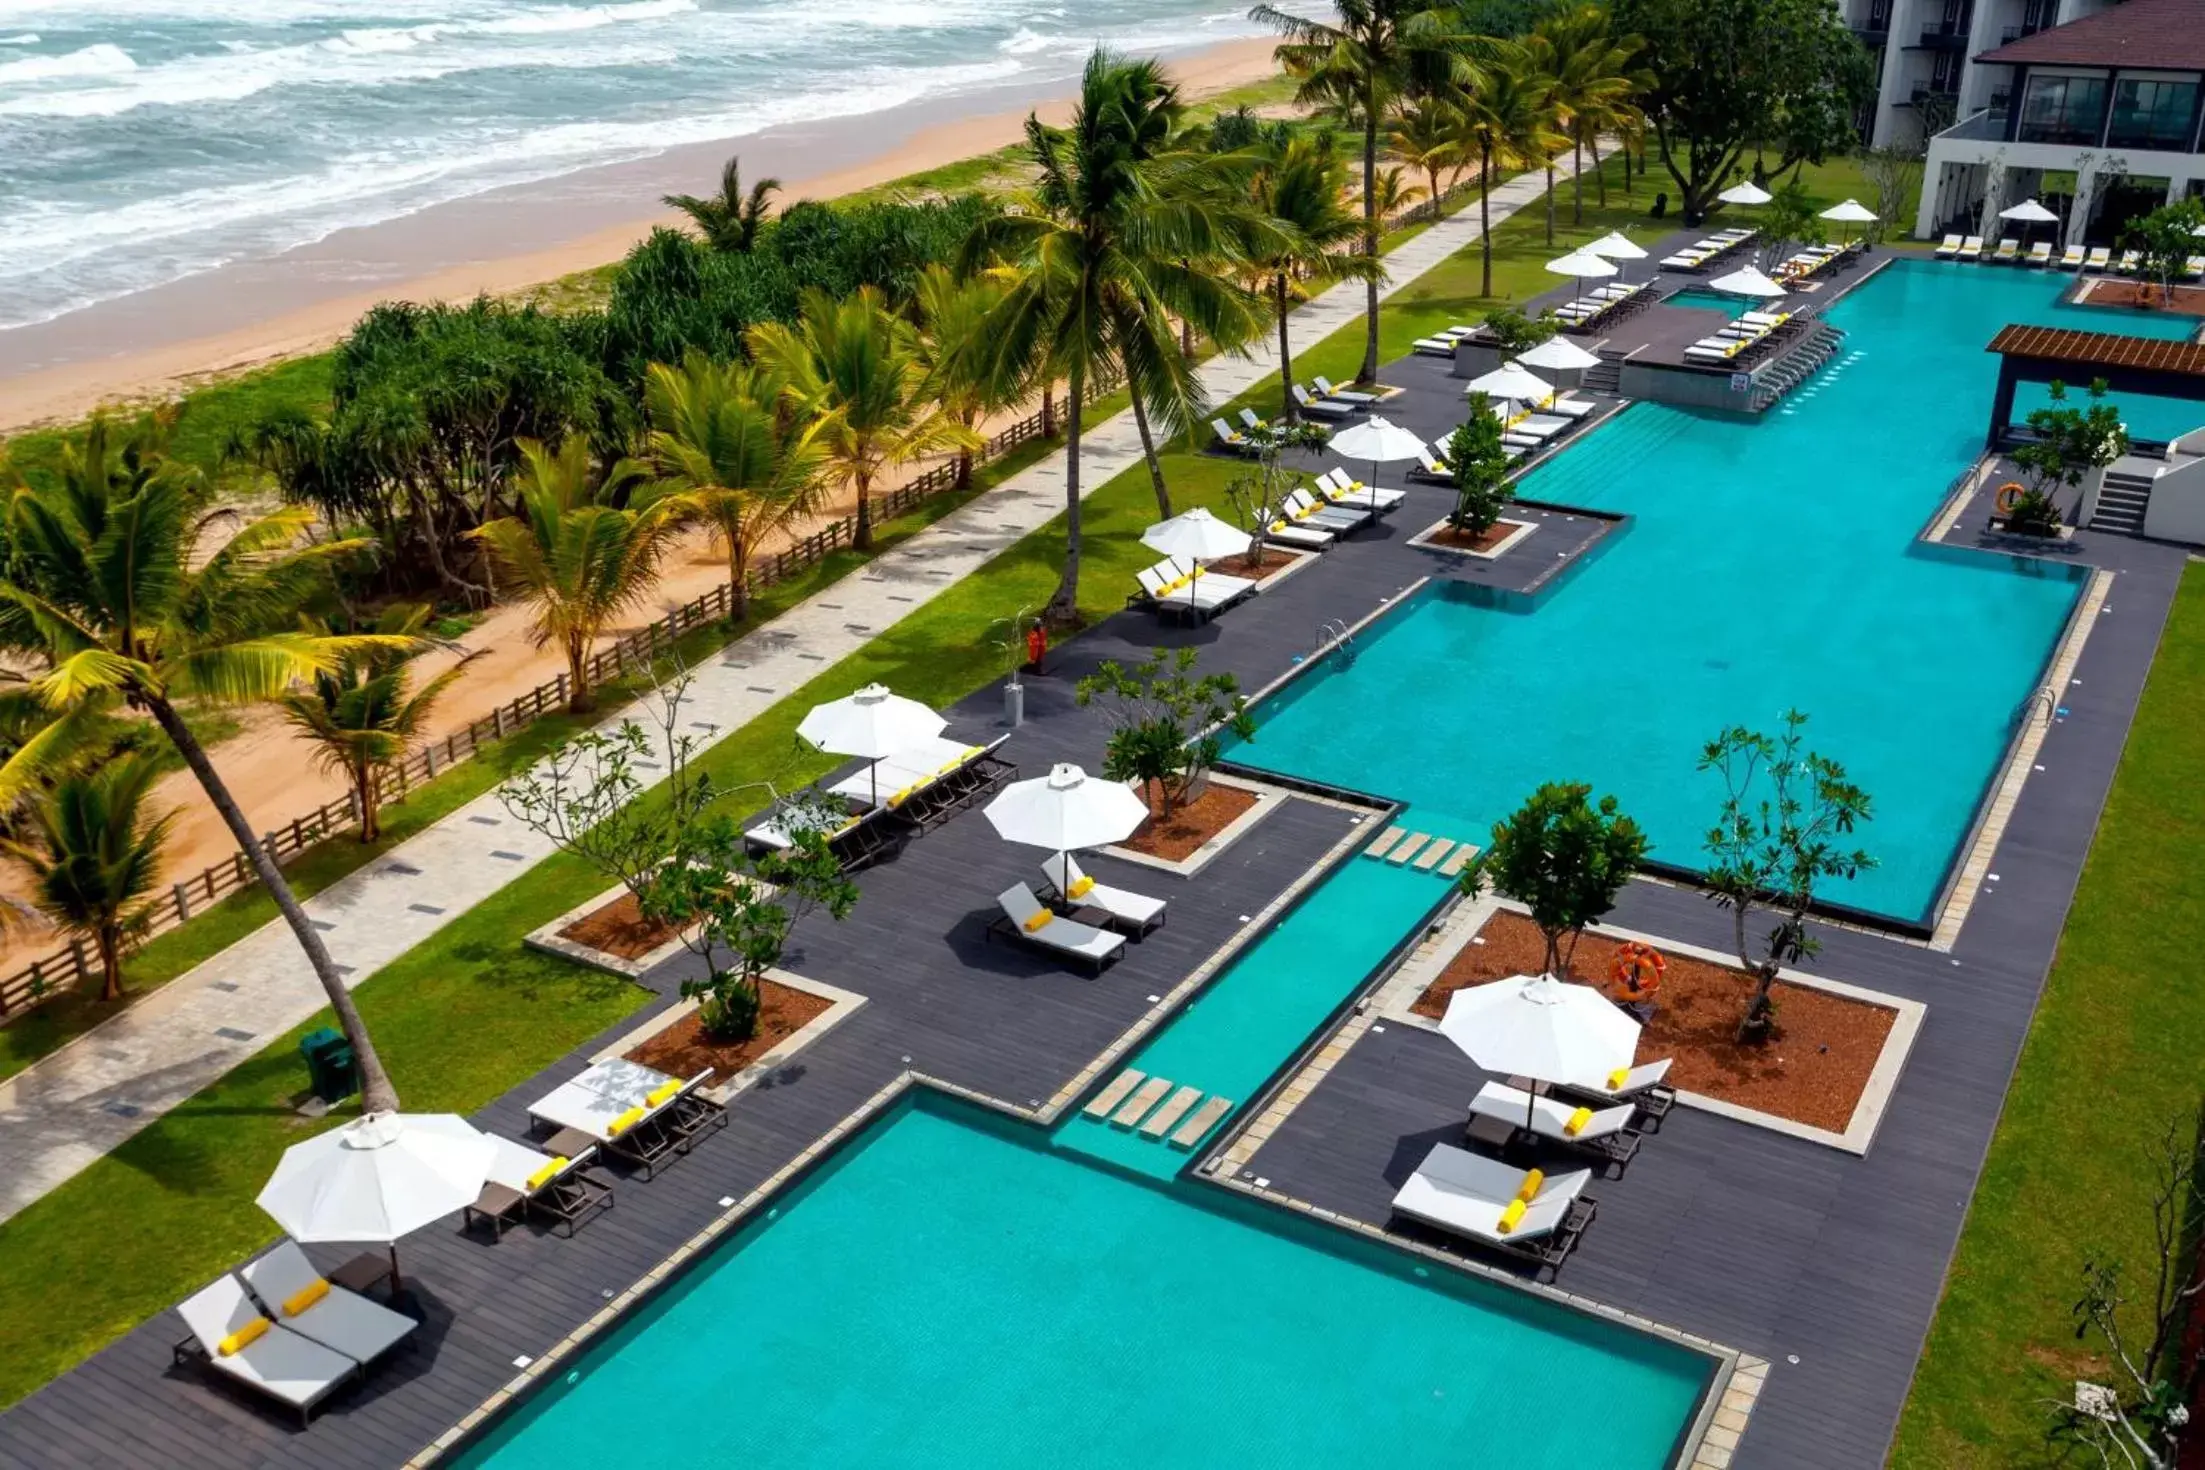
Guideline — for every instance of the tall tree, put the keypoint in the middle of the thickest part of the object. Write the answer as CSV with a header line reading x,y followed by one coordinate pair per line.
x,y
113,594
1371,53
1506,119
731,219
1591,85
731,458
856,364
1112,243
92,853
1732,75
575,552
1303,189
1426,135
960,371
363,714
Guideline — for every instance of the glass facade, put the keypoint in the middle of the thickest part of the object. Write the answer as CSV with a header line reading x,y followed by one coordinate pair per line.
x,y
2152,114
2062,110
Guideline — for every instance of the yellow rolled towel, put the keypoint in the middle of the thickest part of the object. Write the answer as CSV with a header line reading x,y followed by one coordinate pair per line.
x,y
1512,1216
1529,1189
546,1174
1080,889
660,1093
1617,1078
624,1122
298,1301
239,1340
1577,1122
1039,922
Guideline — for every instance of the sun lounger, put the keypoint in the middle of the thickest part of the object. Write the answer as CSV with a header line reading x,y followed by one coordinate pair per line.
x,y
2008,248
925,781
1341,488
1477,1198
294,1295
1304,508
1025,918
524,1179
643,1129
1642,1086
2130,261
1605,1133
1309,538
2100,259
2194,267
856,832
1568,408
244,1345
1169,587
1133,913
1434,346
1342,395
1249,419
1432,466
1971,248
1947,248
2071,258
1230,438
1318,409
2041,253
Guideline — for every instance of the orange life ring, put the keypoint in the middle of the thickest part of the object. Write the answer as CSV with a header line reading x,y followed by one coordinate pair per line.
x,y
2009,496
1637,967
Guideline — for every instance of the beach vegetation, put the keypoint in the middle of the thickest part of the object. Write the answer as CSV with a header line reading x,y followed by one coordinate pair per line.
x,y
89,847
1564,857
1302,186
731,219
1508,120
952,315
1592,86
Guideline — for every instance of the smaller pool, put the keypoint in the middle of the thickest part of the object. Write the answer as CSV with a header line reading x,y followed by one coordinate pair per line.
x,y
1702,299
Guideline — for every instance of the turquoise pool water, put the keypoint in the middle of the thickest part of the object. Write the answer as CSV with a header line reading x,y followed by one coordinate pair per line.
x,y
1768,565
949,1295
1705,300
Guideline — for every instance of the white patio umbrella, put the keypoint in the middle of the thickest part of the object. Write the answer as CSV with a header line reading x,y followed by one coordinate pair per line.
x,y
1581,265
1748,281
1379,440
1066,810
377,1178
1538,1026
1747,192
1615,245
1850,212
871,723
1511,381
1196,535
1558,354
2028,213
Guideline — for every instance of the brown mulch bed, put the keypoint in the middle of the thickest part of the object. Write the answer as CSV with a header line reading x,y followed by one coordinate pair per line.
x,y
1191,823
618,928
1274,560
1813,1071
683,1050
2188,300
1460,540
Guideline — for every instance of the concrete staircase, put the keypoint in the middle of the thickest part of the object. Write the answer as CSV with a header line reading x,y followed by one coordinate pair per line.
x,y
1157,1108
1607,375
2122,501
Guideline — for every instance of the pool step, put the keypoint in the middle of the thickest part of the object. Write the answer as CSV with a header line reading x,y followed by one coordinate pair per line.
x,y
1205,1118
1157,1106
1422,851
1159,1123
1385,842
1405,850
1147,1096
1103,1102
1429,858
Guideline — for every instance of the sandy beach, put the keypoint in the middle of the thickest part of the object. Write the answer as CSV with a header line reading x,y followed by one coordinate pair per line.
x,y
160,341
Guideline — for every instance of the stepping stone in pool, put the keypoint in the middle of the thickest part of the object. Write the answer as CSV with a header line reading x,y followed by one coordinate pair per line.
x,y
1101,1103
1205,1118
1429,858
1407,850
1460,860
1386,840
1151,1093
1159,1122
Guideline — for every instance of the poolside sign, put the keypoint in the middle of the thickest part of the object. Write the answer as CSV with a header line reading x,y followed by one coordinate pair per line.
x,y
1741,382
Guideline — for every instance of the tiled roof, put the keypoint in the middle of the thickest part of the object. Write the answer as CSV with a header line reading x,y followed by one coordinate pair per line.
x,y
2100,349
2168,35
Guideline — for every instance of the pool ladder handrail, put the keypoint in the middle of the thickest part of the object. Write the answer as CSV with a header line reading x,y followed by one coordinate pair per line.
x,y
2046,696
1334,634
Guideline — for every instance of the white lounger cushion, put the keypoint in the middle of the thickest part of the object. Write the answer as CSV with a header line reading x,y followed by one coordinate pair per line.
x,y
1635,1081
342,1320
1549,1116
1324,386
279,1362
1060,933
1341,488
1467,1193
1133,908
1286,533
1321,410
514,1164
584,1109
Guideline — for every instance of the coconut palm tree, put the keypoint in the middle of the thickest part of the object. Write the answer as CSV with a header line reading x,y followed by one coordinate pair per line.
x,y
363,714
1358,64
1303,188
1590,85
731,219
856,365
113,595
1113,242
731,458
953,314
575,551
1506,119
92,853
1426,135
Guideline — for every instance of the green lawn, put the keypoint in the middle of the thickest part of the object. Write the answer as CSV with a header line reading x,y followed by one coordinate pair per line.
x,y
2111,1059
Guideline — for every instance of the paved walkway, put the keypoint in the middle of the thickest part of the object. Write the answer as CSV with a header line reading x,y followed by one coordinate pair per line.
x,y
59,1116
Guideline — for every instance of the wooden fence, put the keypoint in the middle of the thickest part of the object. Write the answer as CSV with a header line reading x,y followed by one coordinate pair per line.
x,y
75,963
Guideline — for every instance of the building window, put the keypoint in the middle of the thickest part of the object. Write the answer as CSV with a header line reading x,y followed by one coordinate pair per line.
x,y
2152,114
2062,109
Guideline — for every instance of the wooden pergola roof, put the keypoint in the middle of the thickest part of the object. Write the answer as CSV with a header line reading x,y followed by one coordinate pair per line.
x,y
2070,348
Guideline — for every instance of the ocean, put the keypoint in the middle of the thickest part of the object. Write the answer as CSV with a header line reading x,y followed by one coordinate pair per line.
x,y
146,141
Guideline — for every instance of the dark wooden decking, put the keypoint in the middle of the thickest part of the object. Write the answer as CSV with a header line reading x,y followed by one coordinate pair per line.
x,y
1768,1245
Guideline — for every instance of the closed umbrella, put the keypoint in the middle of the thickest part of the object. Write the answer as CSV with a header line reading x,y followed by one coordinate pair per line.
x,y
1748,281
1538,1026
871,723
1066,810
377,1178
1379,440
1558,354
1196,535
1582,266
1747,192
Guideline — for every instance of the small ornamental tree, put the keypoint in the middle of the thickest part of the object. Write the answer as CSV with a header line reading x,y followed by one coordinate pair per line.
x,y
2165,240
1513,332
1167,722
1564,857
1479,462
2069,443
1784,810
1787,222
1257,499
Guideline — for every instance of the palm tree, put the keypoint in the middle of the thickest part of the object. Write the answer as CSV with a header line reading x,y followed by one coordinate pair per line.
x,y
1591,83
575,551
729,220
953,315
856,364
1506,119
1303,189
1112,243
109,592
92,855
363,714
1374,52
731,458
1426,135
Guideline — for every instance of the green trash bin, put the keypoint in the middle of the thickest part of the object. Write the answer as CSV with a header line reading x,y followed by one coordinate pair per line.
x,y
330,1068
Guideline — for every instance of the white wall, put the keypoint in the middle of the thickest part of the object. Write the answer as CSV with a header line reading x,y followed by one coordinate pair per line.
x,y
2177,508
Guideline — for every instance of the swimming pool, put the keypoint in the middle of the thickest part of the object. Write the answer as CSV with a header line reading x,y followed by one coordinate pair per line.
x,y
1702,299
946,1293
1768,565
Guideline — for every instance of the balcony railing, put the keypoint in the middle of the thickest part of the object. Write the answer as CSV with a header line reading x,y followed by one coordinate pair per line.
x,y
1980,127
1944,36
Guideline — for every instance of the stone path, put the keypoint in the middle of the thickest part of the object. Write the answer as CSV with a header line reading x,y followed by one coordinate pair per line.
x,y
60,1115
